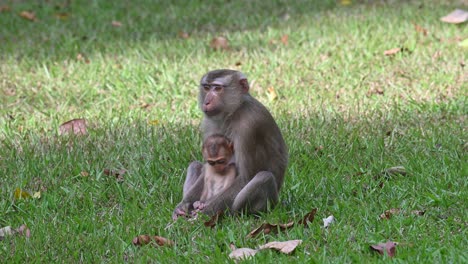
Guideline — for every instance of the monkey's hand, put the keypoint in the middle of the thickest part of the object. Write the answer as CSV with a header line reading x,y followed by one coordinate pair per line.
x,y
181,209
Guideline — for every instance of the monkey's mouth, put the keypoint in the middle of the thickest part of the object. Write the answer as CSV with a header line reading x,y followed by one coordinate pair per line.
x,y
211,112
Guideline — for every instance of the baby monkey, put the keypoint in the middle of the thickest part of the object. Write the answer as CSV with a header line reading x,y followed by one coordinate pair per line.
x,y
219,170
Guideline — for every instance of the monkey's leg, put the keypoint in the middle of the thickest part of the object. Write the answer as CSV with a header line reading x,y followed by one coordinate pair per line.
x,y
193,173
257,194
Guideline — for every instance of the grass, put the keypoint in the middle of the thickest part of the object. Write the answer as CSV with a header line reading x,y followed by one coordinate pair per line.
x,y
347,113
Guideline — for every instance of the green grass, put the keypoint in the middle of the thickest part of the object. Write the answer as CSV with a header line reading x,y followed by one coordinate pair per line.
x,y
335,89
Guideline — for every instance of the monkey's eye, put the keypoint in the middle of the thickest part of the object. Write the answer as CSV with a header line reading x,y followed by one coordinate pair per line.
x,y
206,87
218,88
222,161
211,162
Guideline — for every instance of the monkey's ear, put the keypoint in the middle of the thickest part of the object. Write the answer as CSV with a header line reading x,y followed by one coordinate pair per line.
x,y
245,85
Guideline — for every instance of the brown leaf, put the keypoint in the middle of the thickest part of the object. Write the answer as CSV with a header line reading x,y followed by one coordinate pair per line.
x,y
309,217
184,35
117,174
284,39
456,17
392,51
242,253
142,240
389,213
267,228
219,43
388,247
83,58
23,230
84,173
285,247
420,29
74,126
4,8
61,16
214,219
393,171
116,23
418,212
28,15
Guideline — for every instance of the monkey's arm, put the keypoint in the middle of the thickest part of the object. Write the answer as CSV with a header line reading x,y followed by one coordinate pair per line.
x,y
192,193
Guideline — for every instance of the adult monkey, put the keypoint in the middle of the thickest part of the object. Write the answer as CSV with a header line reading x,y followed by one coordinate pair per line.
x,y
260,151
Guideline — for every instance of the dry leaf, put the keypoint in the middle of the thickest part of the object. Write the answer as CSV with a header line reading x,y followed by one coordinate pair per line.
x,y
219,43
184,35
397,170
20,194
285,247
389,213
242,253
392,51
6,231
328,221
117,174
418,212
153,122
271,94
456,17
83,58
84,174
388,247
4,8
74,126
142,240
345,2
267,228
28,15
309,217
37,195
23,230
116,23
214,219
284,39
420,29
62,16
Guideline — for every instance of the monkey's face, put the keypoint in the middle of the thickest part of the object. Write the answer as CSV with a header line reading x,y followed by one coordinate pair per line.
x,y
212,95
218,165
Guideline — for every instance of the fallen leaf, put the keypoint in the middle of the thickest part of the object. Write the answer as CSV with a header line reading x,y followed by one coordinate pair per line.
x,y
309,217
83,58
28,15
456,17
20,194
74,126
37,195
242,253
219,43
61,16
4,8
463,43
284,39
420,29
393,171
84,174
116,23
142,240
23,230
154,122
418,212
271,94
392,51
267,228
389,213
285,247
328,221
184,35
6,231
388,247
214,219
345,2
117,174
